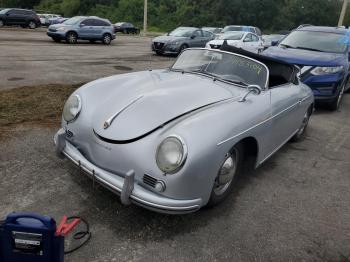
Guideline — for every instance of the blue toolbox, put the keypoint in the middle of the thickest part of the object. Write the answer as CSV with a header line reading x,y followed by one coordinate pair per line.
x,y
28,237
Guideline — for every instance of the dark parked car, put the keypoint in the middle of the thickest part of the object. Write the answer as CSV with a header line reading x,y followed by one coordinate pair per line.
x,y
19,17
322,54
180,39
126,28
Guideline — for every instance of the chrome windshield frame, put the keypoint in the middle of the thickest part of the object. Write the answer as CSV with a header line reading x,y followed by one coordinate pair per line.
x,y
265,87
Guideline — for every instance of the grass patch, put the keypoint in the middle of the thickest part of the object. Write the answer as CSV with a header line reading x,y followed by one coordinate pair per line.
x,y
33,103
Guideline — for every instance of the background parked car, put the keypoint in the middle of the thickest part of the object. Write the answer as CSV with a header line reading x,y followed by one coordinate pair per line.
x,y
214,30
45,19
90,28
322,53
273,38
245,40
241,28
126,28
58,20
19,17
180,39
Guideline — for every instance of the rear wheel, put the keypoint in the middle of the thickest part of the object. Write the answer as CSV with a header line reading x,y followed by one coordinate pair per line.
x,y
300,134
71,38
1,23
335,104
32,25
106,39
227,175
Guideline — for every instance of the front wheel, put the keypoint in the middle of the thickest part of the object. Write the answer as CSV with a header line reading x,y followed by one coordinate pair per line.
x,y
183,47
71,38
227,175
1,23
106,39
335,104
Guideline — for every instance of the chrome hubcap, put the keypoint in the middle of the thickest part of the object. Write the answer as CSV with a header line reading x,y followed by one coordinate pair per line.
x,y
1,23
71,38
107,39
226,174
31,25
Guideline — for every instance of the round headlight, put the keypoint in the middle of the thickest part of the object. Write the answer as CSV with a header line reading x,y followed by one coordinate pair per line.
x,y
171,154
72,108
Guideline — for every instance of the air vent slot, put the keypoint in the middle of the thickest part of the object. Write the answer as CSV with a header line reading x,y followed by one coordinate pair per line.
x,y
148,180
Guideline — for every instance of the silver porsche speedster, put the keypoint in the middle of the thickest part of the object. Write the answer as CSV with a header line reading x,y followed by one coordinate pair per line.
x,y
175,140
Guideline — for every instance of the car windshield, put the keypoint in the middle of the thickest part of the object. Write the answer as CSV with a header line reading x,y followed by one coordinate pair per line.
x,y
182,32
231,36
315,41
4,11
72,21
237,28
222,66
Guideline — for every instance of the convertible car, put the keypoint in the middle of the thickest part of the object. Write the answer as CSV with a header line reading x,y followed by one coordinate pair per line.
x,y
175,140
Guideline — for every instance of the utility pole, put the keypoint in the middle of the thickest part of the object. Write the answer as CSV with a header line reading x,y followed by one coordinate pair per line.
x,y
145,18
342,13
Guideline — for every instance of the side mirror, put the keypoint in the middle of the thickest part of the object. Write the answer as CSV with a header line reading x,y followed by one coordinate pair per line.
x,y
274,43
252,89
193,36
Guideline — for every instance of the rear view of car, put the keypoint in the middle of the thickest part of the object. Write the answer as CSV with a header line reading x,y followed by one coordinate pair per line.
x,y
19,17
85,28
126,28
322,53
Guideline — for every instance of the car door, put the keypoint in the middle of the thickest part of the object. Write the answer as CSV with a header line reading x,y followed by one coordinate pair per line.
x,y
196,39
256,44
86,29
13,17
248,43
286,113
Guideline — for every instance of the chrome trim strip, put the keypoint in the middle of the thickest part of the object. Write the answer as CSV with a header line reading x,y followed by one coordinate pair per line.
x,y
263,122
109,121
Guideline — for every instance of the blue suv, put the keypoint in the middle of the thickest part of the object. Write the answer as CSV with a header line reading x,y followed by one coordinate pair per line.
x,y
90,28
322,53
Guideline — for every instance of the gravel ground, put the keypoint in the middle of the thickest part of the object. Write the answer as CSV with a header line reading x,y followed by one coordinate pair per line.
x,y
293,208
31,58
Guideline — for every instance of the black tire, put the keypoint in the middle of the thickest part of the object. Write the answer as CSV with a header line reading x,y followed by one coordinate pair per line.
x,y
2,23
182,47
221,189
32,24
300,134
106,39
335,103
71,38
159,53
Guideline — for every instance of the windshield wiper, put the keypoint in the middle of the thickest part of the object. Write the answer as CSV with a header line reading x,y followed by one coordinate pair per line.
x,y
307,48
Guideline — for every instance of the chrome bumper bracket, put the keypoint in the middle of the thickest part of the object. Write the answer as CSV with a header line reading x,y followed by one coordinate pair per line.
x,y
128,187
60,143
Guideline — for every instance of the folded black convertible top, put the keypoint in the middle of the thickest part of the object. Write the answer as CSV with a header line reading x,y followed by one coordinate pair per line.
x,y
279,70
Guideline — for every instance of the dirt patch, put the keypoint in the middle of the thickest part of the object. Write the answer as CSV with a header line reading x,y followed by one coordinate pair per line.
x,y
30,104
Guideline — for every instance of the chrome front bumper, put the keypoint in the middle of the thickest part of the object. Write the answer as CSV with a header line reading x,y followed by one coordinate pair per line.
x,y
124,184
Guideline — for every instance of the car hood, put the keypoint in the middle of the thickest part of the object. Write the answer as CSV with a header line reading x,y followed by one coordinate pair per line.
x,y
145,101
305,57
55,26
168,38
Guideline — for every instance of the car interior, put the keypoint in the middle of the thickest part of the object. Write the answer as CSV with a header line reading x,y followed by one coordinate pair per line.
x,y
280,71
